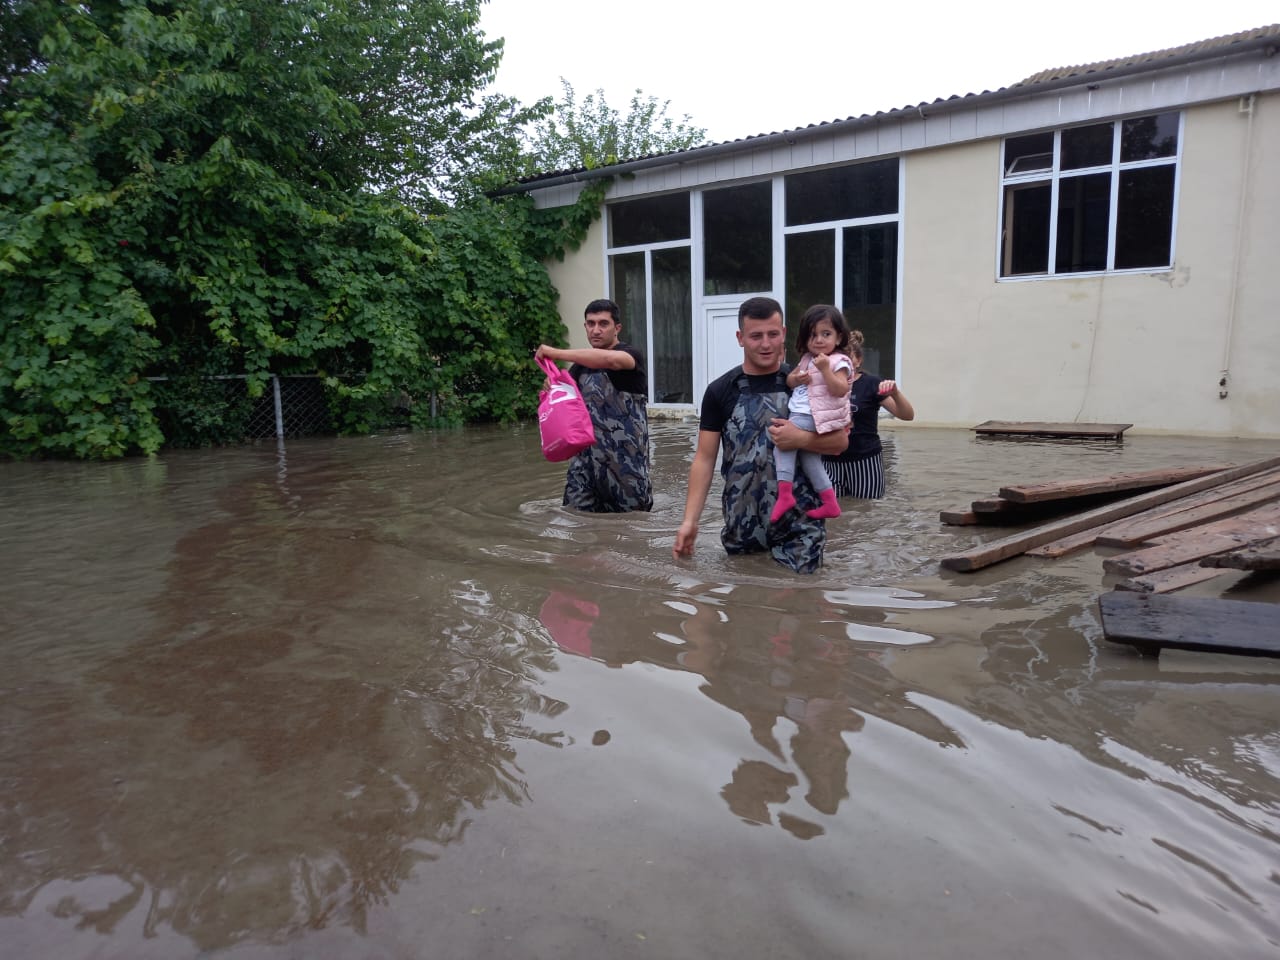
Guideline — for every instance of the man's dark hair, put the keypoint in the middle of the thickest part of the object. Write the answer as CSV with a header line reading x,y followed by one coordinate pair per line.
x,y
603,306
758,308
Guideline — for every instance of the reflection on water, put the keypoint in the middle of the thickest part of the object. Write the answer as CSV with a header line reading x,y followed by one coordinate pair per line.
x,y
385,697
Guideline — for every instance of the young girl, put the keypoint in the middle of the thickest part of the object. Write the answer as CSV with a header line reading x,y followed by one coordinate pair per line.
x,y
819,402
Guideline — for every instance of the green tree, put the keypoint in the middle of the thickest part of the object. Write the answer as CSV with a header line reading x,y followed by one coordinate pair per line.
x,y
593,134
226,185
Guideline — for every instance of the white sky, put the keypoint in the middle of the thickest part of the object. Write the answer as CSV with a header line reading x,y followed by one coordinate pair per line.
x,y
748,67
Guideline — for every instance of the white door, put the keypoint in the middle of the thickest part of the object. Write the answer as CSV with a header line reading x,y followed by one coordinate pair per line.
x,y
720,349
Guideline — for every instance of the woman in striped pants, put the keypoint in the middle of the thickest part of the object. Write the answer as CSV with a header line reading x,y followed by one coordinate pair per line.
x,y
859,471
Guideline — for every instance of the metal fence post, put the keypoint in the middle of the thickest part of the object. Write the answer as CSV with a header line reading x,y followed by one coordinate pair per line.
x,y
275,387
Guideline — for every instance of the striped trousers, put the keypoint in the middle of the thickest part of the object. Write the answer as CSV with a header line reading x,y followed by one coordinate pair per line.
x,y
857,478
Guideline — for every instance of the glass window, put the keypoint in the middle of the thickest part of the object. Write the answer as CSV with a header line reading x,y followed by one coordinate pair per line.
x,y
843,193
1026,228
1086,146
1146,138
1084,216
671,359
1026,154
811,277
649,220
1056,221
1144,217
737,228
870,295
626,281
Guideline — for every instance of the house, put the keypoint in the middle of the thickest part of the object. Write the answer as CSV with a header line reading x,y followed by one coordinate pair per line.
x,y
1094,243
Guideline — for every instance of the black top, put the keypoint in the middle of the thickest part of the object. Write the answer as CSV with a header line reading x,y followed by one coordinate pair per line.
x,y
635,380
864,404
722,394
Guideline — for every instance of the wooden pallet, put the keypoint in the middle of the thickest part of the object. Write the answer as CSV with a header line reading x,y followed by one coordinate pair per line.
x,y
1077,431
1155,622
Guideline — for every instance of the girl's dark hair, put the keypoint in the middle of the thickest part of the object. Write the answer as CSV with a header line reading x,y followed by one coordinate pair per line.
x,y
816,313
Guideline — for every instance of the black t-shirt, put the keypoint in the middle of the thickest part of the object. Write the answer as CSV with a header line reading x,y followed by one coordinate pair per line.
x,y
864,403
722,394
635,380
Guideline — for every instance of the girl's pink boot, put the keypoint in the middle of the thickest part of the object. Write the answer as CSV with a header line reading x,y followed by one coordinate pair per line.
x,y
829,506
786,500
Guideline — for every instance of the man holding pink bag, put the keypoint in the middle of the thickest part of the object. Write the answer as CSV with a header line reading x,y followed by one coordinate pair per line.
x,y
612,475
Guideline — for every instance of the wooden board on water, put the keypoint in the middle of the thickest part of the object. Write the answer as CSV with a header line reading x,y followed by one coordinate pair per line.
x,y
1112,483
996,550
1189,512
998,428
1153,622
1232,533
1261,555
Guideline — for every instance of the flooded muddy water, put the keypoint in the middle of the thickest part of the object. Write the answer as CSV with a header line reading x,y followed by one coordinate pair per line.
x,y
385,698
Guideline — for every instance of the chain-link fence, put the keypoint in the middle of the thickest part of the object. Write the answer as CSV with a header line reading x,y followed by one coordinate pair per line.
x,y
203,411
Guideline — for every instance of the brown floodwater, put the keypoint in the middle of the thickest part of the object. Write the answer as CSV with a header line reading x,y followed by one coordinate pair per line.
x,y
385,698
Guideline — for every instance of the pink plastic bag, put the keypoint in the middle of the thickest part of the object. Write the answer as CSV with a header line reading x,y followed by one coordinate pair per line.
x,y
563,419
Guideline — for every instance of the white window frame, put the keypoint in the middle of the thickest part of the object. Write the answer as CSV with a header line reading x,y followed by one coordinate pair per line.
x,y
1055,174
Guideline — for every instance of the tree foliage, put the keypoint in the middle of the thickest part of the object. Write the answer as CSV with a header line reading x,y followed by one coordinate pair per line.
x,y
257,188
593,134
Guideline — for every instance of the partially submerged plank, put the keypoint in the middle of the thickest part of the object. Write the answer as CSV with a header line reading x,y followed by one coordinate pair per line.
x,y
1112,483
1169,579
994,551
1260,555
1037,429
1152,622
1065,545
959,517
1188,545
1137,530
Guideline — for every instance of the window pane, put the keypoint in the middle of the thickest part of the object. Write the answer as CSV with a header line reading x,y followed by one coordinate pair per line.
x,y
1024,154
1145,138
1144,217
811,277
1084,213
737,226
626,285
649,220
871,292
1087,146
1026,230
843,193
672,358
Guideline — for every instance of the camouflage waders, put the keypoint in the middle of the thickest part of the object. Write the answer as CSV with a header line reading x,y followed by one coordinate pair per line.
x,y
750,489
613,475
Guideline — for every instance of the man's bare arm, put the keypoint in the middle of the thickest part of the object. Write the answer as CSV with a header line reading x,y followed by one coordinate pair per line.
x,y
590,357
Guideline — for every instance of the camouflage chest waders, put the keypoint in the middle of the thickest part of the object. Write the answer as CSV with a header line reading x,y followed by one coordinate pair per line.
x,y
750,487
613,475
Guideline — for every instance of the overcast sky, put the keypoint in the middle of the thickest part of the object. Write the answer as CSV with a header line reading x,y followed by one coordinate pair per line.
x,y
747,67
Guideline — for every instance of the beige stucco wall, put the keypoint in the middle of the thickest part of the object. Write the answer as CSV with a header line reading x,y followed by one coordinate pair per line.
x,y
1146,349
580,279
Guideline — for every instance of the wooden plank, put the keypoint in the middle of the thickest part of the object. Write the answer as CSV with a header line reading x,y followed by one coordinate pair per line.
x,y
996,550
1260,555
959,517
1169,579
1152,622
1134,530
993,505
1187,545
1065,545
1128,532
1034,429
1114,483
